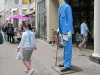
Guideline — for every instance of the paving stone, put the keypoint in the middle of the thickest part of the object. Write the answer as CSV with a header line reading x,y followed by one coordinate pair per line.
x,y
43,60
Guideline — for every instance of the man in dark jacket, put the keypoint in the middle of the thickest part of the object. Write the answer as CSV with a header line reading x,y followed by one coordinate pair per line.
x,y
11,34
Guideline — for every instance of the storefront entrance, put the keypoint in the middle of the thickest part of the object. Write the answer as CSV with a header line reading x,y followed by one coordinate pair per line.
x,y
42,27
83,9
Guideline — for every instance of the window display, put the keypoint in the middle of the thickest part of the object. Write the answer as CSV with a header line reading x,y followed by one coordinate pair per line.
x,y
42,19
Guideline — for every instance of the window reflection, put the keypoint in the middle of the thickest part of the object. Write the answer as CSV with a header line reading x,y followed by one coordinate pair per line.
x,y
75,3
42,19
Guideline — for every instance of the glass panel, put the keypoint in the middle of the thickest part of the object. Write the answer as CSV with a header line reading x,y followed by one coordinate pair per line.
x,y
45,25
42,25
24,11
42,19
16,1
75,3
45,4
76,18
38,33
38,6
41,5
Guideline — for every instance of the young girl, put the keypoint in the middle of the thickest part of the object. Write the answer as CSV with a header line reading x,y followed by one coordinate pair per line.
x,y
27,45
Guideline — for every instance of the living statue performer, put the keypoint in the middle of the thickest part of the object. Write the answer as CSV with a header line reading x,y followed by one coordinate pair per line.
x,y
66,30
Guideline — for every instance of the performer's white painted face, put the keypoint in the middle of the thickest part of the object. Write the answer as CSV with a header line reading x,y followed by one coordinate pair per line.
x,y
60,1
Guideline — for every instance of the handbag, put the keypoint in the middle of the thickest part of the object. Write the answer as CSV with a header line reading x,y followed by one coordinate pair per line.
x,y
19,56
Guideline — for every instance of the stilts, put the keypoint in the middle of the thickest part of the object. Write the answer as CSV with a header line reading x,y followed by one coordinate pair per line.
x,y
57,49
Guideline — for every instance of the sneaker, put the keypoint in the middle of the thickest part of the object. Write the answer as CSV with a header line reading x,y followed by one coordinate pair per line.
x,y
30,72
26,70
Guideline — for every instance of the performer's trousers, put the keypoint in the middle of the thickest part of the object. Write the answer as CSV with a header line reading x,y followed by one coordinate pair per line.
x,y
68,53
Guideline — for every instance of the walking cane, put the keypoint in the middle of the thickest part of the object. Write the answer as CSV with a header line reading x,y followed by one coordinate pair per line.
x,y
57,49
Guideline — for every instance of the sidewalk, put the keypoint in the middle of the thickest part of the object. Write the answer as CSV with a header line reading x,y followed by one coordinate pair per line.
x,y
43,59
8,64
48,54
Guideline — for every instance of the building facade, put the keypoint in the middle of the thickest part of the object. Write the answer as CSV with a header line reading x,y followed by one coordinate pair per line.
x,y
31,13
14,7
42,19
47,16
1,12
88,9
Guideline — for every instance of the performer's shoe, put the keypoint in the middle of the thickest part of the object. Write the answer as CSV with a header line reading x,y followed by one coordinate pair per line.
x,y
61,65
65,69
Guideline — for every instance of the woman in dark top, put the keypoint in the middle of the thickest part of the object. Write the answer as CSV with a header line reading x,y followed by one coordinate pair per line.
x,y
11,34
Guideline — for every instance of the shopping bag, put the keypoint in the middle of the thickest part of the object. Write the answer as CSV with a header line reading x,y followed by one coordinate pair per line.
x,y
19,56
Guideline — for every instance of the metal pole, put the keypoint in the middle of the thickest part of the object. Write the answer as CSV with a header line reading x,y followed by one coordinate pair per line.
x,y
57,49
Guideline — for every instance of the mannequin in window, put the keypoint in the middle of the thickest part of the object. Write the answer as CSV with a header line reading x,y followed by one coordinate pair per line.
x,y
66,30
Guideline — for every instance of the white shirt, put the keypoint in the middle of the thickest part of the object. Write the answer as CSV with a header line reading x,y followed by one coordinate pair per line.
x,y
25,44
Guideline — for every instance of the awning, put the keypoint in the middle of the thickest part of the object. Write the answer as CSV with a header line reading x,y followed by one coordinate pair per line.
x,y
14,9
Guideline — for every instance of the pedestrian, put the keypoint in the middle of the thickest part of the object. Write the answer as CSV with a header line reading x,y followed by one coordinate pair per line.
x,y
23,23
7,28
27,44
11,33
78,38
84,33
1,37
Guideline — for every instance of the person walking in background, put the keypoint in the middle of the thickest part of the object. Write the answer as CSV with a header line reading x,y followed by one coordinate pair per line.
x,y
7,28
23,23
1,37
27,45
6,31
84,33
11,34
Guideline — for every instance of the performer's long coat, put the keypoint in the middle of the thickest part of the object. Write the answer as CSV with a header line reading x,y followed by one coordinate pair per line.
x,y
66,25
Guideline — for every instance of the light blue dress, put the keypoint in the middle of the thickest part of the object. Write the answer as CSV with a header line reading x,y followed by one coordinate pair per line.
x,y
66,25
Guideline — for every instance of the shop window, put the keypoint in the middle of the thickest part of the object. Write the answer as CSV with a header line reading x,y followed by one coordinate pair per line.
x,y
75,3
45,4
16,1
31,1
41,5
25,1
45,24
24,11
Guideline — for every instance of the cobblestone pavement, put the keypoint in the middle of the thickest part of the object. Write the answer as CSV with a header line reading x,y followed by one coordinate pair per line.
x,y
89,67
43,59
8,64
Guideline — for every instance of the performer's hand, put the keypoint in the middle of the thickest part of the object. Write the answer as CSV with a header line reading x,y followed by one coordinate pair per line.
x,y
69,34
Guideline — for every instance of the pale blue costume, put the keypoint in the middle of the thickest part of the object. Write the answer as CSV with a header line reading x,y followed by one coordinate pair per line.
x,y
66,25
